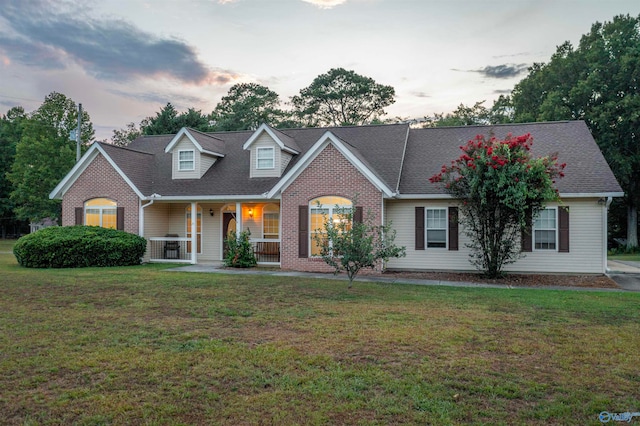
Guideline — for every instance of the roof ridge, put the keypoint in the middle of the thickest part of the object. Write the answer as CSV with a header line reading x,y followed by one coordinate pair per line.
x,y
203,133
122,147
528,123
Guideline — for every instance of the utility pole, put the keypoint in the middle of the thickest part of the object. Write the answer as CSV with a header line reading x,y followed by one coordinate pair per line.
x,y
78,133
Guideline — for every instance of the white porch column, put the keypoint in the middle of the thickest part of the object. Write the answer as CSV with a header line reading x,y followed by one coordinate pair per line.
x,y
238,218
194,233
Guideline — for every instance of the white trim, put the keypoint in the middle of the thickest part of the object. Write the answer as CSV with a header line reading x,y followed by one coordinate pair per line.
x,y
446,228
556,230
185,132
272,157
70,178
188,198
562,195
264,128
326,139
193,160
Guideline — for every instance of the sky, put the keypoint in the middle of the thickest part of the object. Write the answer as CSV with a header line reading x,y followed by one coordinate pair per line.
x,y
125,59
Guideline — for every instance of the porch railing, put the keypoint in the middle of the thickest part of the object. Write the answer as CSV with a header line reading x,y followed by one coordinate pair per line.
x,y
169,249
266,250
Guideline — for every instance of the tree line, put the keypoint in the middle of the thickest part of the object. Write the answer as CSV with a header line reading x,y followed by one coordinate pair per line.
x,y
596,81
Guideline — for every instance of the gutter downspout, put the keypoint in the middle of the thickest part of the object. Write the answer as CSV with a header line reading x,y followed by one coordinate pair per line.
x,y
141,221
605,232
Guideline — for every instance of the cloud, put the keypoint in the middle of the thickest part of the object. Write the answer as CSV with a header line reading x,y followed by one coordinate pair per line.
x,y
503,71
502,91
421,95
49,37
325,4
158,98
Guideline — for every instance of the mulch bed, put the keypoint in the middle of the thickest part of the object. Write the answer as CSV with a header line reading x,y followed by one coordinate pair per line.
x,y
514,280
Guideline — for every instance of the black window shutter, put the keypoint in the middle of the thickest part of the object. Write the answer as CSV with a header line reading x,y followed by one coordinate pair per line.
x,y
358,215
453,228
303,231
419,228
79,215
120,218
527,237
563,229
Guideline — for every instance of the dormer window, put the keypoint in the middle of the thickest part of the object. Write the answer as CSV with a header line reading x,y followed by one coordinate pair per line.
x,y
186,160
265,158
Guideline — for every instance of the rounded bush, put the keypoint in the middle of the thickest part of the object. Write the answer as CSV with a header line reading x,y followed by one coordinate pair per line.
x,y
79,246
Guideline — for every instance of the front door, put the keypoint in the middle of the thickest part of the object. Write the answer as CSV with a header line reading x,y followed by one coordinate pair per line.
x,y
228,228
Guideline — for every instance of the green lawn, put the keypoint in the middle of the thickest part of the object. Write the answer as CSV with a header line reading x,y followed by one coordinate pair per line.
x,y
630,257
141,345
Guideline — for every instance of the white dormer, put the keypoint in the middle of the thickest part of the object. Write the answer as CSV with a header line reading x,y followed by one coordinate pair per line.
x,y
193,153
271,151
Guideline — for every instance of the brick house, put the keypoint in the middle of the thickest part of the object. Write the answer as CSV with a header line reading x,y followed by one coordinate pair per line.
x,y
278,184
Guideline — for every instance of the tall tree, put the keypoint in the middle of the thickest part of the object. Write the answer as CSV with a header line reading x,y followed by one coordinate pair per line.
x,y
598,82
164,122
340,98
10,133
246,106
44,155
476,115
61,114
123,137
167,121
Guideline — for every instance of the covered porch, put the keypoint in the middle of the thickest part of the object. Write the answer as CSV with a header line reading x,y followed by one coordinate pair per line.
x,y
172,236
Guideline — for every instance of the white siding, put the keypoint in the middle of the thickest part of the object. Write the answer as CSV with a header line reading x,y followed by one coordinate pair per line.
x,y
185,144
586,242
285,158
402,216
265,141
206,161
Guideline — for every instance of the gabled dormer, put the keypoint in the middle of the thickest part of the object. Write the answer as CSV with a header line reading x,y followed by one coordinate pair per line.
x,y
193,153
271,151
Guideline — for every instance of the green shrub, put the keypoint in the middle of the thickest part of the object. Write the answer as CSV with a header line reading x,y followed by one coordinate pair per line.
x,y
79,246
240,251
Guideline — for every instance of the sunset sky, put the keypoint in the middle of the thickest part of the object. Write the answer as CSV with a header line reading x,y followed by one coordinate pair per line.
x,y
125,59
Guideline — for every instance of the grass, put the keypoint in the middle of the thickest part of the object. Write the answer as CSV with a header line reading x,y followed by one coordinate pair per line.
x,y
140,345
630,257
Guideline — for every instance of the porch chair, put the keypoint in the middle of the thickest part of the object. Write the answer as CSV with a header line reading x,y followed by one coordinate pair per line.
x,y
172,247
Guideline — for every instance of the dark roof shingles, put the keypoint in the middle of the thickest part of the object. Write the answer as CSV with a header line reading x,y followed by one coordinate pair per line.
x,y
380,148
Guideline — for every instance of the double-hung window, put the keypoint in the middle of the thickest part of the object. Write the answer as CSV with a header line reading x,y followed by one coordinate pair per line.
x,y
436,227
271,222
265,158
186,160
545,229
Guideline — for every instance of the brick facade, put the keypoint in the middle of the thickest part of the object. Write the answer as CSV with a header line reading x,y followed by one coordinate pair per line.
x,y
100,180
330,173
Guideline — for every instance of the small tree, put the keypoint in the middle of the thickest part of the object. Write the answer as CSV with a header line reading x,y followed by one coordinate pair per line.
x,y
239,251
350,245
500,188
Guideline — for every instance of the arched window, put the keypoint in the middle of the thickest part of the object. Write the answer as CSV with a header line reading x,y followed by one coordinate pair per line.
x,y
101,212
321,209
271,222
198,228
